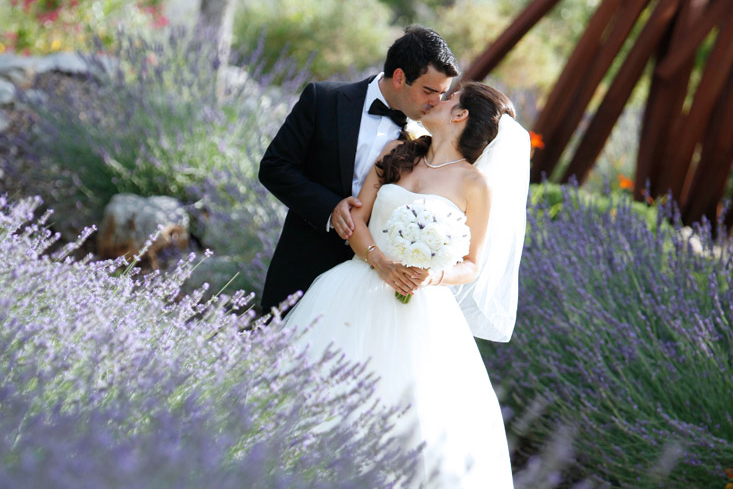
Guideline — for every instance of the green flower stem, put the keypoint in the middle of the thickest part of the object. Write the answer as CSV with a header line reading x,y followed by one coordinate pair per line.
x,y
402,298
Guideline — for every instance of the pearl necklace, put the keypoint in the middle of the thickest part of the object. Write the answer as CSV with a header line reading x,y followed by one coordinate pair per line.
x,y
442,164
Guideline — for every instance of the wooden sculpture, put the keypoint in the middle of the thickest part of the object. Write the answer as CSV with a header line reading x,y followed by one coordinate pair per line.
x,y
688,152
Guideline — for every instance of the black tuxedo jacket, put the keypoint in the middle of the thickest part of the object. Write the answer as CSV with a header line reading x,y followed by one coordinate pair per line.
x,y
309,166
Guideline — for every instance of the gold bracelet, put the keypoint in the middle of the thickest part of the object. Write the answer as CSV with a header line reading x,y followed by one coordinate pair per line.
x,y
442,276
366,255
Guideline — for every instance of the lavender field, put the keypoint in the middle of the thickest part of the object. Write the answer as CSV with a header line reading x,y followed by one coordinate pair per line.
x,y
624,337
107,381
618,374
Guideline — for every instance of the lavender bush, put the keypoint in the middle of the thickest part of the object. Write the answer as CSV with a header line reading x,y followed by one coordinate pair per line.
x,y
105,381
624,333
148,121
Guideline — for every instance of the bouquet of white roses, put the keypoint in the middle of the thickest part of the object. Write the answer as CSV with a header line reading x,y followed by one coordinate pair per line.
x,y
427,234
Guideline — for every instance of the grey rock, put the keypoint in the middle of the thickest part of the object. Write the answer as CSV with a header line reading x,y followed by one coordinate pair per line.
x,y
130,220
10,62
71,63
104,66
19,78
4,123
19,70
7,92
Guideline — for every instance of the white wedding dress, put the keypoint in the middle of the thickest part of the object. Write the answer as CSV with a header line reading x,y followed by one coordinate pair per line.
x,y
425,356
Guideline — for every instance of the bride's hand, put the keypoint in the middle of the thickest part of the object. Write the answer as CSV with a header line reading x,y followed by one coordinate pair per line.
x,y
402,279
421,276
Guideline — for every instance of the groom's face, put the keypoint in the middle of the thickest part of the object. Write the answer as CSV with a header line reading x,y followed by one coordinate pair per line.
x,y
424,93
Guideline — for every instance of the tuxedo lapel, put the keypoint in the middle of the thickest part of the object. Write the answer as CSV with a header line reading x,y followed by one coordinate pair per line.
x,y
350,104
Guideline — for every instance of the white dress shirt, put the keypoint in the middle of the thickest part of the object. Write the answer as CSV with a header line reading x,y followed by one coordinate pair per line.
x,y
374,133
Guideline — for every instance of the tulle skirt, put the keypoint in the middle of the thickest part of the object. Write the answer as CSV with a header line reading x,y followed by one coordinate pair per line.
x,y
425,356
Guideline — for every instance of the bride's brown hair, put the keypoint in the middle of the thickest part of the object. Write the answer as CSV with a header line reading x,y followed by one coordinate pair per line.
x,y
485,107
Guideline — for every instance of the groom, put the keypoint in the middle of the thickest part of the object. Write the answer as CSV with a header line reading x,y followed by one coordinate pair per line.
x,y
321,155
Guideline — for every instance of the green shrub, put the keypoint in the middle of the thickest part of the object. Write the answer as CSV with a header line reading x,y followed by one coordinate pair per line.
x,y
551,198
470,25
335,36
150,123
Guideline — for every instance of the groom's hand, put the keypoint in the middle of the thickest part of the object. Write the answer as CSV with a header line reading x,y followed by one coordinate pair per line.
x,y
341,217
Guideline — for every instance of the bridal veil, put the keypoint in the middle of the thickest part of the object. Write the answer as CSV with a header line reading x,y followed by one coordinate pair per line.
x,y
490,303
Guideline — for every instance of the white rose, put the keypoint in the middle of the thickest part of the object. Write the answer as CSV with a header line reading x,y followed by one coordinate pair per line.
x,y
433,236
418,211
412,232
398,249
418,255
396,231
444,258
403,214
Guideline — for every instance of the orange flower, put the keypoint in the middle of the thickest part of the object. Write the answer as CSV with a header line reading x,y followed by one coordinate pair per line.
x,y
729,473
650,201
625,183
535,140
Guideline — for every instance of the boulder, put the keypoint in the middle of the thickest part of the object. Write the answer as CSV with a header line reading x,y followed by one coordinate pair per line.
x,y
7,92
129,220
4,123
20,70
64,62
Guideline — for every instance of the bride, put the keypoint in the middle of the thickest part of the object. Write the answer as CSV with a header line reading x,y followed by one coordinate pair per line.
x,y
424,351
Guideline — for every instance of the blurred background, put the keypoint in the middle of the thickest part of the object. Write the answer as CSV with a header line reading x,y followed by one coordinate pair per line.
x,y
152,117
346,40
111,96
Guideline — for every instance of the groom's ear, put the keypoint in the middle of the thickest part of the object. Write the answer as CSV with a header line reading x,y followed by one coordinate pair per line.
x,y
398,78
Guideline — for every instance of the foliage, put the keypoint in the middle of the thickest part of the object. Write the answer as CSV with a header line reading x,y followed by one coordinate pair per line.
x,y
470,25
149,122
553,199
44,26
329,36
625,333
108,382
408,11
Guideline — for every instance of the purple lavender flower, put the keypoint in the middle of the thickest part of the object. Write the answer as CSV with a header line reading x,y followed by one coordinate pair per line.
x,y
107,381
626,327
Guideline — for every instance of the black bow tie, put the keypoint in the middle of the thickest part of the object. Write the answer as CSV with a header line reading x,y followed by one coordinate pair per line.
x,y
378,108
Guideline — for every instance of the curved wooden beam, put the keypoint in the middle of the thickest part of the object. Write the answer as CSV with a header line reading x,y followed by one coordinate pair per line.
x,y
665,102
576,102
719,10
707,190
690,129
571,77
487,61
613,103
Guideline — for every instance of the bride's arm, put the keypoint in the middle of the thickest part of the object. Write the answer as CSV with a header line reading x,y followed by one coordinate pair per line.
x,y
478,205
394,274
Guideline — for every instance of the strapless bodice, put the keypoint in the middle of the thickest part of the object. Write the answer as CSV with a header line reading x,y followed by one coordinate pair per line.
x,y
389,197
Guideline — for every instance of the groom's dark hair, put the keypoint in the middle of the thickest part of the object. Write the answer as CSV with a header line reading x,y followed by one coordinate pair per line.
x,y
417,49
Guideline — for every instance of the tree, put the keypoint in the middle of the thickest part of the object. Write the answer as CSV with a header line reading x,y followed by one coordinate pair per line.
x,y
216,18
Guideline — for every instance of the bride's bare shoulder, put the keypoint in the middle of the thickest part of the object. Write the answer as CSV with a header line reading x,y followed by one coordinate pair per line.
x,y
475,181
475,187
